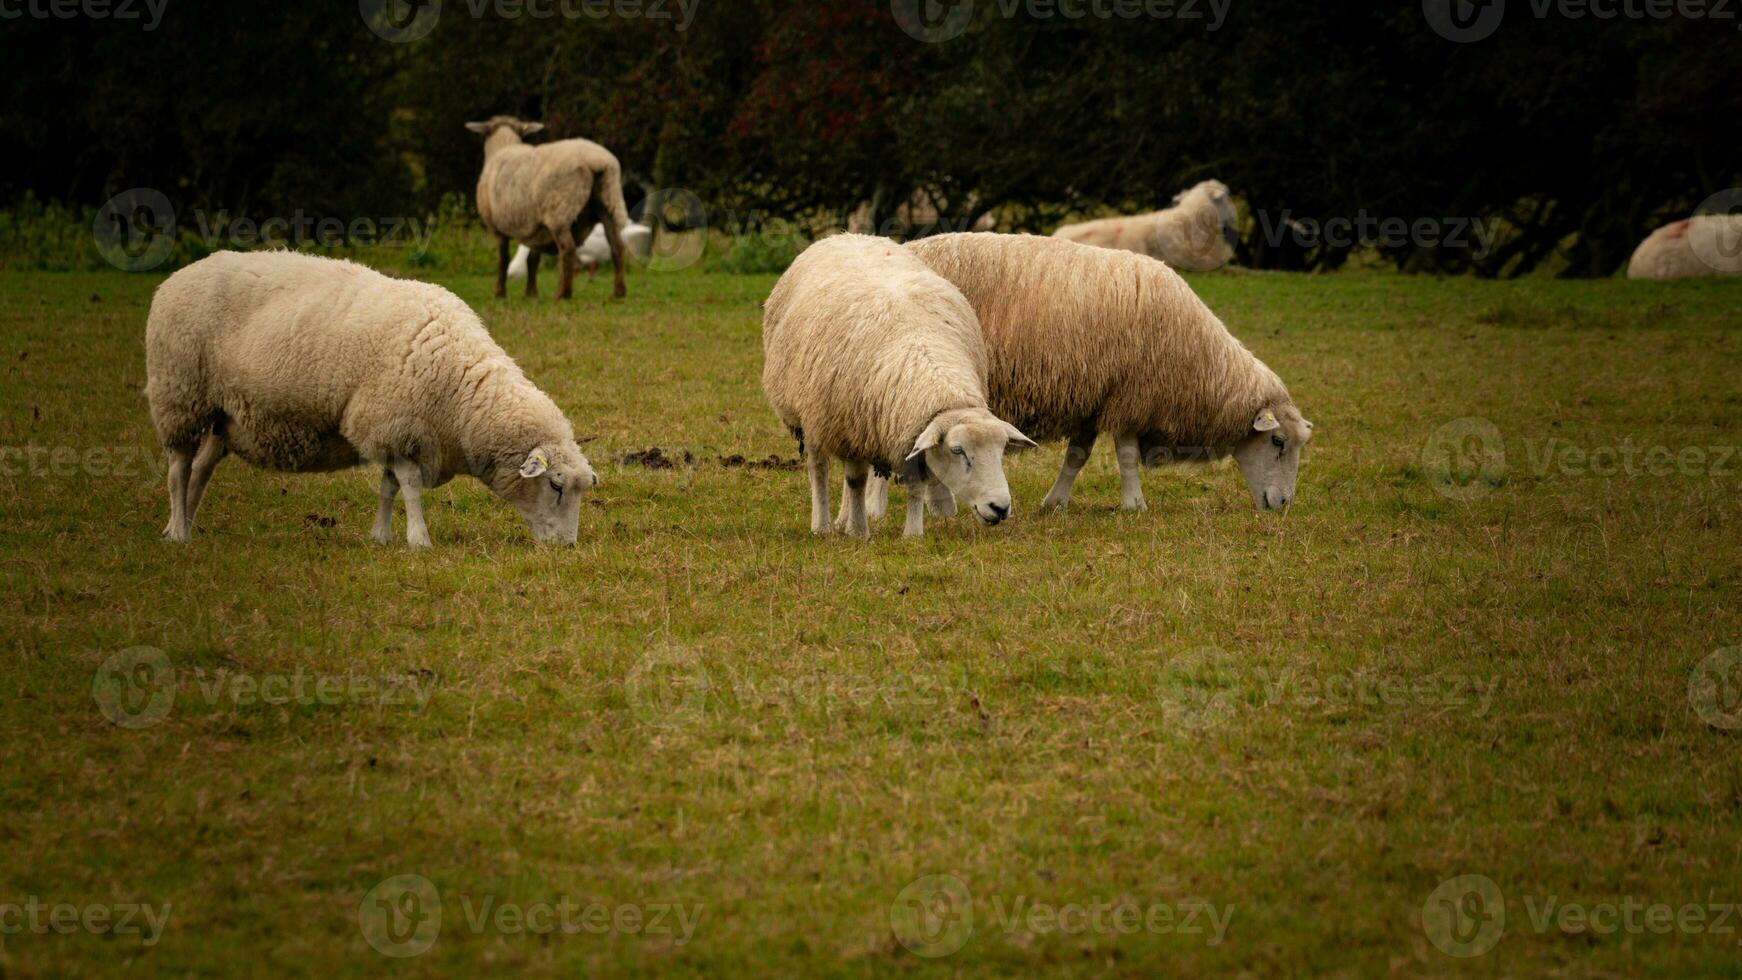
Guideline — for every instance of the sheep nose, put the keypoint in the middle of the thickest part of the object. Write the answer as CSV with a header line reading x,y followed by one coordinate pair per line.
x,y
999,511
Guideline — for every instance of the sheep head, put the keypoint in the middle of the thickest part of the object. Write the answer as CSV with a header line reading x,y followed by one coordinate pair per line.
x,y
964,449
503,131
1269,456
546,486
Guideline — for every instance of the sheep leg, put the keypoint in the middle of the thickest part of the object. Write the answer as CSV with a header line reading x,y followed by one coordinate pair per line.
x,y
532,274
939,500
1076,456
411,485
383,532
1130,473
565,250
501,266
915,527
817,465
213,449
180,462
877,497
858,474
614,238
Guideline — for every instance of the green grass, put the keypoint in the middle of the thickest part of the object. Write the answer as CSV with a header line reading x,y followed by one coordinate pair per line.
x,y
1313,719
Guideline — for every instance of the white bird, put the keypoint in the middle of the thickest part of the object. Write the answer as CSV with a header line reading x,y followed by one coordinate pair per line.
x,y
637,241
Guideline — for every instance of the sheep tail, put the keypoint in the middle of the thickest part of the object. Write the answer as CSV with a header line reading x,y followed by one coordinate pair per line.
x,y
610,191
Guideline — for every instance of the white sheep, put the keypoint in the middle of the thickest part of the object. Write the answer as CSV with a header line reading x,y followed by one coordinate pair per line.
x,y
1196,234
548,196
306,364
872,359
637,238
1704,245
1083,340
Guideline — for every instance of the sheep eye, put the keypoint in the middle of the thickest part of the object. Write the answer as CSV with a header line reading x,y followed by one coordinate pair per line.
x,y
559,490
1276,441
958,450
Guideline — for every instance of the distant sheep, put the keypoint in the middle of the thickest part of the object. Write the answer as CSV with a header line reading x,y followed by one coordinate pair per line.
x,y
1704,245
306,365
872,359
1196,234
1081,341
637,238
548,197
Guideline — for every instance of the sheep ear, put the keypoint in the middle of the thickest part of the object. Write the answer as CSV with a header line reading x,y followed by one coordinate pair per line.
x,y
1265,421
527,129
479,127
1017,441
537,463
927,439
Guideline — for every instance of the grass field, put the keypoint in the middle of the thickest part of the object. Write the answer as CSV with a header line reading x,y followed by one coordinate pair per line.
x,y
1191,740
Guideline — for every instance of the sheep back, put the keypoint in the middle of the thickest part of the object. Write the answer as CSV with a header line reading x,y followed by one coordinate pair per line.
x,y
526,191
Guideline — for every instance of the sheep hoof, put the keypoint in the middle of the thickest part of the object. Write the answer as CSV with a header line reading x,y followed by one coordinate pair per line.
x,y
418,541
1134,506
1055,503
381,537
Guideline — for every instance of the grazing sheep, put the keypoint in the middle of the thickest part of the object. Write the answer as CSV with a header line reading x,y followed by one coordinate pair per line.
x,y
872,359
637,238
1081,341
1704,245
1196,234
305,365
548,196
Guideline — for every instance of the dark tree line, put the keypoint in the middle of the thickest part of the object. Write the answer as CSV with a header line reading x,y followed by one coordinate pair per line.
x,y
1576,135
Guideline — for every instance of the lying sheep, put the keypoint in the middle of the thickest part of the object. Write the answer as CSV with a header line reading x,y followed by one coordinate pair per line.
x,y
872,359
305,365
548,196
637,238
1081,341
1196,234
1704,245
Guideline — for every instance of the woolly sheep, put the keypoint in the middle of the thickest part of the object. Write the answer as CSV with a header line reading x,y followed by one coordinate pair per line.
x,y
1196,234
1704,245
1081,341
637,238
305,364
872,359
546,196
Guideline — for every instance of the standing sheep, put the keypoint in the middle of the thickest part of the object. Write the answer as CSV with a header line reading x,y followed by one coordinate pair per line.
x,y
1704,245
548,196
872,359
1081,341
1196,234
306,365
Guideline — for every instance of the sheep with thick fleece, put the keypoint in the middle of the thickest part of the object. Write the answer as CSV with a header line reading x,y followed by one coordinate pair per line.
x,y
305,364
1081,341
637,238
1704,245
871,358
548,196
1196,234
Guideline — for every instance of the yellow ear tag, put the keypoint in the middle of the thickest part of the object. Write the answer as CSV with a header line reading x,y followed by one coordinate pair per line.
x,y
543,460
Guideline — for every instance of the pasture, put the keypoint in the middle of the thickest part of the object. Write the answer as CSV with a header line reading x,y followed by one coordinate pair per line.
x,y
1191,740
